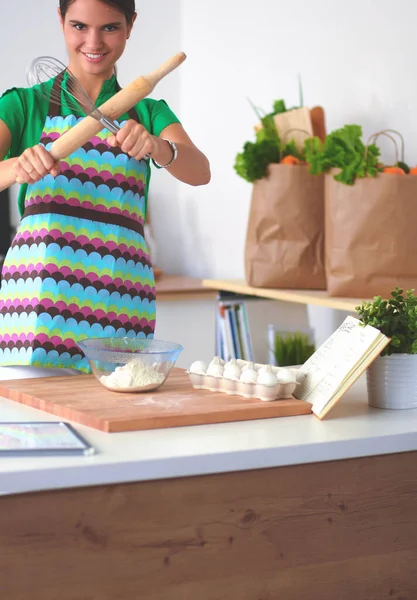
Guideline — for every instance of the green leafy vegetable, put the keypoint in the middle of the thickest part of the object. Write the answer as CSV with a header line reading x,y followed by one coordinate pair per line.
x,y
344,150
268,131
291,149
313,152
278,107
252,163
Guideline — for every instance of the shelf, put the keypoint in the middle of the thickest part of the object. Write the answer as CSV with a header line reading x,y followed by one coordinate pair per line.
x,y
315,297
179,287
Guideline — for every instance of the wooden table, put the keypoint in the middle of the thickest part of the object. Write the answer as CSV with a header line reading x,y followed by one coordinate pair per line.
x,y
314,297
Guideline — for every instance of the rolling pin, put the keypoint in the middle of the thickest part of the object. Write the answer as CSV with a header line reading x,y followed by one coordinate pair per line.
x,y
116,106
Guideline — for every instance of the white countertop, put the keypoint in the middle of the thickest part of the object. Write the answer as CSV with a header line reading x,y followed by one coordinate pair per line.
x,y
351,430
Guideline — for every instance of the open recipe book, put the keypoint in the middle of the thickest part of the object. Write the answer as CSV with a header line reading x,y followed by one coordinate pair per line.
x,y
337,364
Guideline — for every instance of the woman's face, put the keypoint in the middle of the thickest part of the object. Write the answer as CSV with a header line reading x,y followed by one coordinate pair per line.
x,y
95,36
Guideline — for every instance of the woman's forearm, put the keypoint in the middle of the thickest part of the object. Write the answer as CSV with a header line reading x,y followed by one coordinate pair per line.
x,y
7,174
191,165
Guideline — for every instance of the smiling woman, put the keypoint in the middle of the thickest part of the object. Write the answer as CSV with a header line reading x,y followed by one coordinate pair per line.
x,y
95,40
79,265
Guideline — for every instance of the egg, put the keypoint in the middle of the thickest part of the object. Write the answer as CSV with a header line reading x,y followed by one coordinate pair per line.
x,y
265,369
249,365
215,370
232,370
249,375
217,361
266,377
286,376
232,363
199,367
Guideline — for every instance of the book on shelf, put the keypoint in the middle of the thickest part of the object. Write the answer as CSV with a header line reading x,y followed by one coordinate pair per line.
x,y
227,348
337,364
243,326
233,334
236,350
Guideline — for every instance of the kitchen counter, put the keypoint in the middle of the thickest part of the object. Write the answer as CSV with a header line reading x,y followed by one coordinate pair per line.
x,y
291,507
351,430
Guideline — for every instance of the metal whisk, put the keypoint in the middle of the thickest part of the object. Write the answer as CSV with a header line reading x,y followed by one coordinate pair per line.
x,y
45,67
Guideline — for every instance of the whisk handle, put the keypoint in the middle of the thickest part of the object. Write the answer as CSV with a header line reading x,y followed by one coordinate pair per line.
x,y
116,106
110,125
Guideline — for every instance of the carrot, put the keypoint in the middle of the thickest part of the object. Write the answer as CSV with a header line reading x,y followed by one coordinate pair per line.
x,y
290,160
394,170
413,171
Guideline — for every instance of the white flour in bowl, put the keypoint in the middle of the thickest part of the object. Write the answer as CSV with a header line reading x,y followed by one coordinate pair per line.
x,y
134,376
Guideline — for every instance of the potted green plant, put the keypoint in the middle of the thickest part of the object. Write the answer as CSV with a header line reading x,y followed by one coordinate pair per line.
x,y
392,377
292,348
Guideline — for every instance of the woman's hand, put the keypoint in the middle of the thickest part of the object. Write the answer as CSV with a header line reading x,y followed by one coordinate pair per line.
x,y
33,164
134,140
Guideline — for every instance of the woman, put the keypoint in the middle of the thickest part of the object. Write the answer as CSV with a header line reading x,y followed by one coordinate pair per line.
x,y
79,265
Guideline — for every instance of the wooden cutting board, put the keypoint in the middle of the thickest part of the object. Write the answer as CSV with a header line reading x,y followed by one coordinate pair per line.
x,y
176,403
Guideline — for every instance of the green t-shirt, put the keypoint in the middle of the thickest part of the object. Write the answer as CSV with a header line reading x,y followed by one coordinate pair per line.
x,y
24,111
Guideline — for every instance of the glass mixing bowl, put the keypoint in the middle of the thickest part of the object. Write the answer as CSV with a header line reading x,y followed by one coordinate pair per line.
x,y
130,364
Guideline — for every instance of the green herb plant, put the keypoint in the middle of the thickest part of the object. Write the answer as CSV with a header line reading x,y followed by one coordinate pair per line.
x,y
396,317
343,149
292,348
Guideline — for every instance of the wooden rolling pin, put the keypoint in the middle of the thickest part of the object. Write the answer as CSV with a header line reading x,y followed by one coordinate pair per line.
x,y
116,106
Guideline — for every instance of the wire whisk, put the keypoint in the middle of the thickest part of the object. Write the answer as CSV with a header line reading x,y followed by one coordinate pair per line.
x,y
44,68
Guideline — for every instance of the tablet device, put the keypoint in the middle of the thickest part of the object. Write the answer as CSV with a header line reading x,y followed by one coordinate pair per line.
x,y
42,439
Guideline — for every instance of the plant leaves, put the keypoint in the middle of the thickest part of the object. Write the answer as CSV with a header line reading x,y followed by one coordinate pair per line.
x,y
252,163
396,317
343,149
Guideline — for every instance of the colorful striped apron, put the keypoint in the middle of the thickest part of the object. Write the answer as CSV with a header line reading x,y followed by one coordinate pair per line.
x,y
79,265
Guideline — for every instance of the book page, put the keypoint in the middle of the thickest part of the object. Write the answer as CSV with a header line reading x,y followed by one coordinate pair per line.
x,y
326,369
321,408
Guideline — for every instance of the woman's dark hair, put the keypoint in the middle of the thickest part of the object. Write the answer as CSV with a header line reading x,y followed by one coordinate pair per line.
x,y
127,7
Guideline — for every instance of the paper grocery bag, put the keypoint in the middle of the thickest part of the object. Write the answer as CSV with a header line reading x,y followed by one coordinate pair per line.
x,y
371,235
298,122
285,234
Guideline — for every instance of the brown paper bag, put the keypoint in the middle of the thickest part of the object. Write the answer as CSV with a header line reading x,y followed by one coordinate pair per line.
x,y
298,122
371,235
285,235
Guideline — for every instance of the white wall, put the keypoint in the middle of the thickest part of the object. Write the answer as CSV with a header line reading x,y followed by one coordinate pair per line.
x,y
356,58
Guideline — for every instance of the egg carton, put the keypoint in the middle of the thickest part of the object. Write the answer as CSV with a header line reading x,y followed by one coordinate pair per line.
x,y
266,393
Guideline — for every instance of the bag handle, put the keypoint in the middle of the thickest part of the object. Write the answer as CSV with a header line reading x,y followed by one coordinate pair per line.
x,y
284,138
373,138
401,139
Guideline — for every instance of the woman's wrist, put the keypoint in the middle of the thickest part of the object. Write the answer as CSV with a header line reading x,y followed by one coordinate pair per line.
x,y
164,152
7,173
